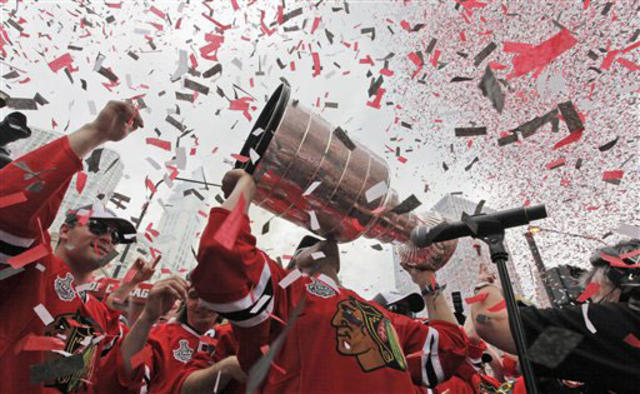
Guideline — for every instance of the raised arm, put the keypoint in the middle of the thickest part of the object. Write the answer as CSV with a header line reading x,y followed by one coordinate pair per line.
x,y
437,305
41,177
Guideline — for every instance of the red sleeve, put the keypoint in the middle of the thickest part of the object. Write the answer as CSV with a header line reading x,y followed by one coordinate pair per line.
x,y
227,342
240,284
434,349
43,175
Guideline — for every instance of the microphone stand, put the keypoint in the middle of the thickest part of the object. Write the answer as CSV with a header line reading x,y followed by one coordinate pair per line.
x,y
499,256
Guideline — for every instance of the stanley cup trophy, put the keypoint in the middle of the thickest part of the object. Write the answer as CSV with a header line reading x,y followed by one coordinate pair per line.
x,y
309,174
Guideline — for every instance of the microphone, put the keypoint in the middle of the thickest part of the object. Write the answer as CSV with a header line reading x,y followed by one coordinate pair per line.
x,y
477,226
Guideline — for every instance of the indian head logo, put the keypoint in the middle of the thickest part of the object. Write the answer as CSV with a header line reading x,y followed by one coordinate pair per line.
x,y
364,332
183,353
63,287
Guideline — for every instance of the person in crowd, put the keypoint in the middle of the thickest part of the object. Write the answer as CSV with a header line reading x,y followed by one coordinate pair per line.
x,y
336,341
166,350
407,304
45,294
595,343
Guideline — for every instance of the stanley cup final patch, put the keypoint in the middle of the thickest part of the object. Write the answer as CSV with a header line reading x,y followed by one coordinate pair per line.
x,y
183,352
320,289
63,287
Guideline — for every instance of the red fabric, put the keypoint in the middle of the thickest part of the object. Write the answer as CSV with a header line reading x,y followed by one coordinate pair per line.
x,y
55,164
171,350
314,357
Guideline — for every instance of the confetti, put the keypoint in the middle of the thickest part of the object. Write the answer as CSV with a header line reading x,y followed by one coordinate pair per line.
x,y
290,278
376,191
408,205
228,232
484,53
553,345
498,307
535,58
29,256
490,88
470,131
571,117
43,314
591,289
632,340
344,138
313,221
608,145
477,298
12,199
162,144
587,321
33,342
58,368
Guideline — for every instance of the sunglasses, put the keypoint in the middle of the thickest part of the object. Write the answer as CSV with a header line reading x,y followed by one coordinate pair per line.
x,y
101,228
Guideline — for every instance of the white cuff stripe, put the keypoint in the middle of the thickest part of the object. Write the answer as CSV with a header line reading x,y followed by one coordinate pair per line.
x,y
15,240
248,300
430,358
254,321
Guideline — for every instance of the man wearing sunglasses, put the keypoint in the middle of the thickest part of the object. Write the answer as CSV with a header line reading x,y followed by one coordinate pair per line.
x,y
43,299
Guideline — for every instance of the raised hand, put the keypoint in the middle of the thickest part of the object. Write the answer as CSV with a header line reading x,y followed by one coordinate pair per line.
x,y
163,295
144,269
116,120
231,178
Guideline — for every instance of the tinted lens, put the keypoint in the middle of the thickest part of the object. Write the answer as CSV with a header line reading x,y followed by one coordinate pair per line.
x,y
100,228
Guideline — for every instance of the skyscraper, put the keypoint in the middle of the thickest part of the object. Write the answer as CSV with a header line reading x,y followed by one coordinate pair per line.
x,y
99,185
182,220
461,272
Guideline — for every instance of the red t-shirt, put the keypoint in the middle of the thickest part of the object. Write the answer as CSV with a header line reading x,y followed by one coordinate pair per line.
x,y
340,341
85,324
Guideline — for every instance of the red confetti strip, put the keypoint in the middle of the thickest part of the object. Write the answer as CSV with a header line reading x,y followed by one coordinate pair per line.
x,y
614,175
535,58
591,289
435,57
61,62
376,102
156,11
29,256
571,138
498,307
628,64
477,298
241,158
228,232
12,199
33,342
632,340
316,64
150,185
234,4
81,180
166,145
556,163
616,261
316,23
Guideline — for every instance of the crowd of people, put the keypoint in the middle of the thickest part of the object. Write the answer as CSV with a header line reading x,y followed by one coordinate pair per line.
x,y
241,322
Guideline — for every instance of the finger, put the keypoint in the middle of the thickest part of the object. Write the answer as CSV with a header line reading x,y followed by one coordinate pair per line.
x,y
155,262
181,291
138,119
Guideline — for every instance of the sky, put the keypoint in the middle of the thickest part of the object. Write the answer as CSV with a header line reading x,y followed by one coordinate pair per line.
x,y
430,89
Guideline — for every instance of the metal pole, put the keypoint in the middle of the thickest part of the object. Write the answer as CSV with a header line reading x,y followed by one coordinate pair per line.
x,y
500,256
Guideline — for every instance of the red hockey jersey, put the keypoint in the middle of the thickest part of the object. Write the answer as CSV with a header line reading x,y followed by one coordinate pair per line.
x,y
339,343
41,298
169,352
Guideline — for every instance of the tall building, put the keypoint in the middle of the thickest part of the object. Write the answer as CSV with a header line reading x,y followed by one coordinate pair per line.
x,y
180,225
99,185
461,272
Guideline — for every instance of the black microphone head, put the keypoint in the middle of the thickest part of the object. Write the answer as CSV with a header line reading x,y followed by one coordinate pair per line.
x,y
419,236
536,212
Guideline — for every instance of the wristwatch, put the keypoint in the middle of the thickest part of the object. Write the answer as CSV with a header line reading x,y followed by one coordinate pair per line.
x,y
431,290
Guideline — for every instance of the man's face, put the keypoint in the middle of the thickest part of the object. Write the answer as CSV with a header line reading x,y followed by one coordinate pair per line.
x,y
306,259
198,316
351,333
86,249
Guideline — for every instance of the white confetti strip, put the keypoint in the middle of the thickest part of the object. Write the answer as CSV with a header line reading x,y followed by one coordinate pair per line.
x,y
318,255
43,314
376,191
263,300
311,188
254,156
290,278
587,321
313,221
257,131
40,267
